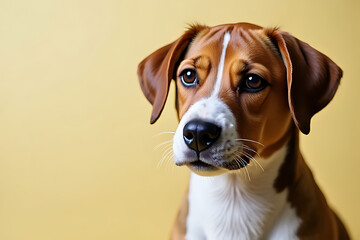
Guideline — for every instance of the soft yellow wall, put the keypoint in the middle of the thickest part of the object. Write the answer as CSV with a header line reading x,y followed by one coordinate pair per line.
x,y
76,148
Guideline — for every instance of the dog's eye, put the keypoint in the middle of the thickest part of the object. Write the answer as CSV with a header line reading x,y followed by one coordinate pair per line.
x,y
252,83
189,77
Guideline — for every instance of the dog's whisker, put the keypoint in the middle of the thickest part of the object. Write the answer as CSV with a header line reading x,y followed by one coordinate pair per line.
x,y
162,144
243,163
249,140
167,148
164,155
240,164
248,155
250,149
160,162
252,158
168,161
162,133
257,163
246,169
172,165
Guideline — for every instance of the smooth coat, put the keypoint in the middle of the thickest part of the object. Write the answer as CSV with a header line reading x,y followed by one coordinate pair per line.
x,y
253,182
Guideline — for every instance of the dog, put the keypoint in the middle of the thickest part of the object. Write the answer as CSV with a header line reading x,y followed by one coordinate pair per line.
x,y
243,94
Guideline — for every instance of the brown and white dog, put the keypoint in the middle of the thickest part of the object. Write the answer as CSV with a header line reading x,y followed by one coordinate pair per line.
x,y
243,92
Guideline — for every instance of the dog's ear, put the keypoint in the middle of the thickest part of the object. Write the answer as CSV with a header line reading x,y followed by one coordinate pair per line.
x,y
312,78
156,71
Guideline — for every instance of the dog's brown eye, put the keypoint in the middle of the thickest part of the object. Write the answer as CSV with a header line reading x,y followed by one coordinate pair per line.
x,y
252,83
189,77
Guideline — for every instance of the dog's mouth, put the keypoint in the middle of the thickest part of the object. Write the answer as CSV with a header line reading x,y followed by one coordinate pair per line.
x,y
202,166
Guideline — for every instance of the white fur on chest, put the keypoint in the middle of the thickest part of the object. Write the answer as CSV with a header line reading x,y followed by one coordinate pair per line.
x,y
230,206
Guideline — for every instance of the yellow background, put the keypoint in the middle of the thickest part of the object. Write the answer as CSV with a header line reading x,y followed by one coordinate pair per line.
x,y
77,157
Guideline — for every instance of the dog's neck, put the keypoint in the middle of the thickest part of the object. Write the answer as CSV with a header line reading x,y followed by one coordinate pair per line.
x,y
252,201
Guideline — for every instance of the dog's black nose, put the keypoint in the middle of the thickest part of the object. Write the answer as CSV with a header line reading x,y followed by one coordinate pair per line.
x,y
200,135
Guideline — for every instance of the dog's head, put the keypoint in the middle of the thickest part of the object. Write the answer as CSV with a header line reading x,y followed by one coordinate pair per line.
x,y
239,89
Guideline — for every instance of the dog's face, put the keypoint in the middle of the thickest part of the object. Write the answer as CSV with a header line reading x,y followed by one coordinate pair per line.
x,y
238,92
244,95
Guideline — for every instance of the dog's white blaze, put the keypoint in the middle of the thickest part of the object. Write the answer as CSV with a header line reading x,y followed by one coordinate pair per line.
x,y
221,65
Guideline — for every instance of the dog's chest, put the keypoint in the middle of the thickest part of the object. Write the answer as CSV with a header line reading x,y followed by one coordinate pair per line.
x,y
230,206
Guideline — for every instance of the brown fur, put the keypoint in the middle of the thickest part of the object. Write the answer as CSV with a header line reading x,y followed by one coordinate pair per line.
x,y
301,80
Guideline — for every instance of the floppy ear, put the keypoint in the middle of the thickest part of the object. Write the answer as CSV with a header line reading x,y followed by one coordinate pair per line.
x,y
156,71
312,78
